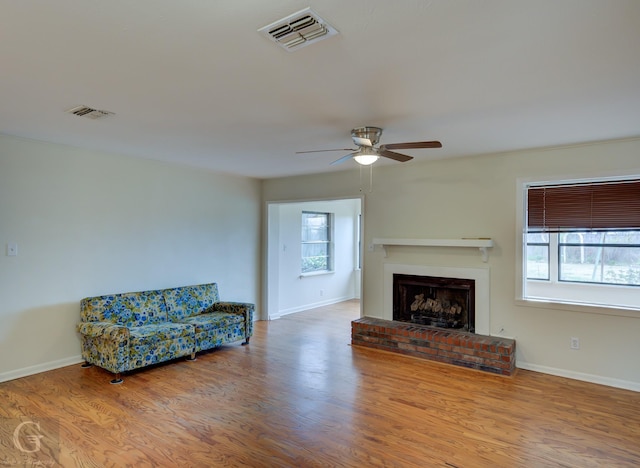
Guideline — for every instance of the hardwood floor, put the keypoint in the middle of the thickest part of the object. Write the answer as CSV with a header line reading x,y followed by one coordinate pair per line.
x,y
300,395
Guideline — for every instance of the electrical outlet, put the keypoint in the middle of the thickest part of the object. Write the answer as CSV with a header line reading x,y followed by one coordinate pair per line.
x,y
12,249
575,343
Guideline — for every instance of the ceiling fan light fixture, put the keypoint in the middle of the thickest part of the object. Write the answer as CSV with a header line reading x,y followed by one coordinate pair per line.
x,y
367,153
366,156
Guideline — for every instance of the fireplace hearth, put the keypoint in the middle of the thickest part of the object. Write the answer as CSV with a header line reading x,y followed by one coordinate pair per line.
x,y
441,302
394,331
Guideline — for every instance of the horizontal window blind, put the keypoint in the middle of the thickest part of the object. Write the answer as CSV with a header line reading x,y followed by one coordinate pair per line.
x,y
613,205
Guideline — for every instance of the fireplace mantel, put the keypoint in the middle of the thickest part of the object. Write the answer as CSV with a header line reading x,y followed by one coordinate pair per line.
x,y
480,243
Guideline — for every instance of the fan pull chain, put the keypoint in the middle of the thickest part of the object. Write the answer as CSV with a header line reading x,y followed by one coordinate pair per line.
x,y
370,178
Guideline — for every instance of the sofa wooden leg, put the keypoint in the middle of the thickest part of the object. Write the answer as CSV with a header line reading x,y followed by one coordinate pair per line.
x,y
246,341
192,357
117,379
86,364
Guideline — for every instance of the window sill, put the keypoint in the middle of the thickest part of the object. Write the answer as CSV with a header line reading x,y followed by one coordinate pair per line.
x,y
598,309
584,294
316,273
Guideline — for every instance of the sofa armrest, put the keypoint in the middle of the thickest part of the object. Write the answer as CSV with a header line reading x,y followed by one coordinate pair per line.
x,y
243,308
107,330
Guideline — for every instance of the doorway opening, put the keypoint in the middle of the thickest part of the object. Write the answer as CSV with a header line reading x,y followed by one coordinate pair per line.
x,y
289,288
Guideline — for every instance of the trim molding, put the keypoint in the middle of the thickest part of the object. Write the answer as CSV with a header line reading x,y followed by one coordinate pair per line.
x,y
47,366
597,379
314,305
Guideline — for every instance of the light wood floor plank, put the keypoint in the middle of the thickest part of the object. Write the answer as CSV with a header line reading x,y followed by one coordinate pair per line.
x,y
300,395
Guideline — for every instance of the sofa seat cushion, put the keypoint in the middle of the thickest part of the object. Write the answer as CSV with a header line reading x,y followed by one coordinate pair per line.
x,y
158,332
211,320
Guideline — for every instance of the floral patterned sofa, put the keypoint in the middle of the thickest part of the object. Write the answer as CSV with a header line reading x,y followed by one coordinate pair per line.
x,y
122,332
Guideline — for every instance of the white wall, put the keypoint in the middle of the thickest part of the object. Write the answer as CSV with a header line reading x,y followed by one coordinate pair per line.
x,y
89,223
295,292
476,197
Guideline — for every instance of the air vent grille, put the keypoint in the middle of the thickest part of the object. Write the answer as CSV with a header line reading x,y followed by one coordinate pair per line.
x,y
89,112
298,30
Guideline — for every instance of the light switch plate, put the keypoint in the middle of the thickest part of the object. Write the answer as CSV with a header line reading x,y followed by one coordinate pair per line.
x,y
12,249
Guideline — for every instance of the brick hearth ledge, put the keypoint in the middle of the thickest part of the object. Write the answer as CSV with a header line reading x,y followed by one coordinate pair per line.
x,y
485,353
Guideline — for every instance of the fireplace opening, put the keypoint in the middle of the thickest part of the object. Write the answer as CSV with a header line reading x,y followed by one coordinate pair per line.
x,y
434,301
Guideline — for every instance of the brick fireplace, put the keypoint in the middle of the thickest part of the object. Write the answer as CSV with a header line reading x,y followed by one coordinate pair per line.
x,y
485,353
440,314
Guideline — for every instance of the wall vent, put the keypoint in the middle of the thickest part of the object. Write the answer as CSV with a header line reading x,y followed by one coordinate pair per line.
x,y
89,112
298,30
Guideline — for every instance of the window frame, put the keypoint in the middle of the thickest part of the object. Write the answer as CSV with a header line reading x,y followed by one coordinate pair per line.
x,y
555,263
521,295
550,263
329,226
601,245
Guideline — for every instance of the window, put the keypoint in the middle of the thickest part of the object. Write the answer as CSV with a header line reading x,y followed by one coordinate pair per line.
x,y
538,256
607,257
316,242
582,242
359,243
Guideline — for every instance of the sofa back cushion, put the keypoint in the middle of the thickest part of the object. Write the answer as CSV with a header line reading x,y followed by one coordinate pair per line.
x,y
130,309
188,301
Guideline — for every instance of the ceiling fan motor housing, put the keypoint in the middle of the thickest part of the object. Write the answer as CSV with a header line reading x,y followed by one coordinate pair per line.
x,y
367,133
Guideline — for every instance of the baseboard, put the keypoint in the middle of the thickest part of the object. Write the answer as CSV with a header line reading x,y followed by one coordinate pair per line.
x,y
47,366
597,379
304,307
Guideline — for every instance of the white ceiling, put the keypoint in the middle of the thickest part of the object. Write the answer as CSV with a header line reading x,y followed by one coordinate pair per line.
x,y
193,82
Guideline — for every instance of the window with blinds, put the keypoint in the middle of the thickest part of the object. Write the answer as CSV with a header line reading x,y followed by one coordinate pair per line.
x,y
584,232
593,206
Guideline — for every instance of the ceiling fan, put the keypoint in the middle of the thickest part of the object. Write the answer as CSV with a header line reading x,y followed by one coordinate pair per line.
x,y
366,153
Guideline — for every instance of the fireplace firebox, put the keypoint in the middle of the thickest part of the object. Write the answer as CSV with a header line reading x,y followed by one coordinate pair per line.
x,y
434,301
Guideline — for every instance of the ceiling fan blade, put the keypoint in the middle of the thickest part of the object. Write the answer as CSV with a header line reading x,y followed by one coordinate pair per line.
x,y
362,141
396,156
414,145
342,159
323,151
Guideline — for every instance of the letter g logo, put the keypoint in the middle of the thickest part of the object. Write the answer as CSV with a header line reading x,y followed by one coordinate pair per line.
x,y
33,439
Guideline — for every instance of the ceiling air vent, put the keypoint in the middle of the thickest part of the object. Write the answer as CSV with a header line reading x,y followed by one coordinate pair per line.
x,y
298,30
89,112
